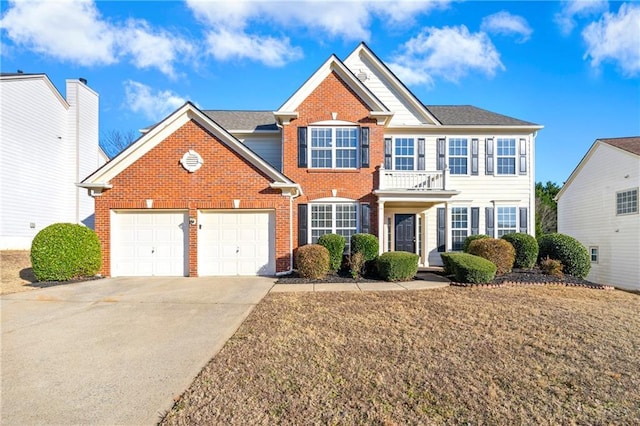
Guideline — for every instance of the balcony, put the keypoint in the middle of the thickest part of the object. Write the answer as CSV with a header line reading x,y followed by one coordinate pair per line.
x,y
412,180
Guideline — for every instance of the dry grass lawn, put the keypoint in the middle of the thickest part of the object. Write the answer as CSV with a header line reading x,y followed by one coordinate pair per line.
x,y
16,273
515,355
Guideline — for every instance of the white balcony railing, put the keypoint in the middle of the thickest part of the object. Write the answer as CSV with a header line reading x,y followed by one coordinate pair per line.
x,y
414,180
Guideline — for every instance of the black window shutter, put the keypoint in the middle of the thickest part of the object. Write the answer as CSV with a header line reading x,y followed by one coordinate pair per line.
x,y
364,147
440,148
441,229
488,218
387,153
302,224
302,147
523,156
523,220
474,156
421,165
489,156
365,218
475,220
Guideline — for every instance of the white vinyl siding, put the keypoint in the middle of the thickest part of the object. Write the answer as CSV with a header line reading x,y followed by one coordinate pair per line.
x,y
269,148
587,212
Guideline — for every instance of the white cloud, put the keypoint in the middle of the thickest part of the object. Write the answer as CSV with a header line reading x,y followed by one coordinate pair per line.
x,y
229,23
572,9
154,105
224,45
450,53
616,38
505,23
74,31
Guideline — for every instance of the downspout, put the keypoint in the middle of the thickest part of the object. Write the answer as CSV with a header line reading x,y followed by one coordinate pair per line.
x,y
292,195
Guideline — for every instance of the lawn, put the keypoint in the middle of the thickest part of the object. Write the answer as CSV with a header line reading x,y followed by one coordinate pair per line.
x,y
513,355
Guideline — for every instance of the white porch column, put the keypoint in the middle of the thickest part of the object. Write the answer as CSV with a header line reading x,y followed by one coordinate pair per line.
x,y
381,234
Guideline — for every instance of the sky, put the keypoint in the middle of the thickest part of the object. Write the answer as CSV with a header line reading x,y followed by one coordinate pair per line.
x,y
571,66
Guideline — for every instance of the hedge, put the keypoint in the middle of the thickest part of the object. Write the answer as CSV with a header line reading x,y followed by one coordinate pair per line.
x,y
500,252
367,244
526,249
468,268
335,244
569,251
469,239
397,265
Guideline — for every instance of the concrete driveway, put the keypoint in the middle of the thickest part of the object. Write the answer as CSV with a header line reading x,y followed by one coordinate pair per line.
x,y
116,350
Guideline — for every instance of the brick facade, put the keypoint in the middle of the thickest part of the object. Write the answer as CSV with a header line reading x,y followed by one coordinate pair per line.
x,y
334,96
223,177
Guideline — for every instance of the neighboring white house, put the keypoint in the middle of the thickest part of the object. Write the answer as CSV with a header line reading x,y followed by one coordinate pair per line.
x,y
47,145
598,205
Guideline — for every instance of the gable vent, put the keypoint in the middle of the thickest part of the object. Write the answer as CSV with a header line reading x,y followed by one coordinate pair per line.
x,y
191,161
362,76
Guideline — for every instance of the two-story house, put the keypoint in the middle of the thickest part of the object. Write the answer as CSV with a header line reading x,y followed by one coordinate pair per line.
x,y
47,144
352,150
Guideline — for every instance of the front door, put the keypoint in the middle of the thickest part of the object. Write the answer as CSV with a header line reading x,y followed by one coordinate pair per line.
x,y
405,232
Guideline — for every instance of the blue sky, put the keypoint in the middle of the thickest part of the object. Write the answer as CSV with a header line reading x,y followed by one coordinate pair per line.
x,y
572,66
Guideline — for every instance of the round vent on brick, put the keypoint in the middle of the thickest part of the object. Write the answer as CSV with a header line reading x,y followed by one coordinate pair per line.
x,y
191,161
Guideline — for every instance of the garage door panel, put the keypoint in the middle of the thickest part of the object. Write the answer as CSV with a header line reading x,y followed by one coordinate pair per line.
x,y
149,243
236,243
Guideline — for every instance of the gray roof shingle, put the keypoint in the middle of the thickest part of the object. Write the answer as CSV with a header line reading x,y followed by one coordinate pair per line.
x,y
468,115
243,120
631,144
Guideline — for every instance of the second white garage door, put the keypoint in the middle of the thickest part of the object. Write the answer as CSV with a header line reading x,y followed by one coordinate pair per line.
x,y
236,243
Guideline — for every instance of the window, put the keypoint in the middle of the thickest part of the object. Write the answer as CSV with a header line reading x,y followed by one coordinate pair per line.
x,y
593,252
419,236
404,154
459,227
458,155
627,202
341,219
506,221
506,156
334,147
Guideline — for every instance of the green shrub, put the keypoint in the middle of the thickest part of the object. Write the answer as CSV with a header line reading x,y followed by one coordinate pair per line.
x,y
573,255
366,244
356,264
499,252
467,241
551,267
468,268
397,265
63,251
526,249
446,262
312,261
335,244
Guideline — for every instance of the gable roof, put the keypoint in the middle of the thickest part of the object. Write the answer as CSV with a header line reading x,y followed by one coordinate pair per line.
x,y
333,64
235,121
627,144
363,50
630,144
17,76
99,179
468,115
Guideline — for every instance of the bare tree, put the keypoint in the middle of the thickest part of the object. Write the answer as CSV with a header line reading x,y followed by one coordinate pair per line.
x,y
115,141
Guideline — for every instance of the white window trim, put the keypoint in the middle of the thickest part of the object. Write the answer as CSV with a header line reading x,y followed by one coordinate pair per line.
x,y
334,148
448,156
333,203
591,254
637,201
497,223
450,224
415,152
496,156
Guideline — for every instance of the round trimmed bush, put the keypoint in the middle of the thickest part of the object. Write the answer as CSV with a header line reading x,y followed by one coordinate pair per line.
x,y
467,241
569,251
526,249
312,261
397,265
468,268
499,252
63,251
367,244
335,244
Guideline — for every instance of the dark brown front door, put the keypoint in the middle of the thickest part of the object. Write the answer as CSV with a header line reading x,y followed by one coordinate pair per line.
x,y
405,232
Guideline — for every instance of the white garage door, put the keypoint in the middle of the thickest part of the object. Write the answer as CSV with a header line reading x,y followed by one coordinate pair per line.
x,y
236,243
149,243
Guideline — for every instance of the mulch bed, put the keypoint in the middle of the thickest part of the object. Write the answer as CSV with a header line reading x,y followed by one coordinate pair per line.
x,y
516,277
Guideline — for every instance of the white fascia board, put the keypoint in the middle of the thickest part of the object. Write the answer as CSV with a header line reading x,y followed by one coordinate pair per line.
x,y
413,196
332,64
293,189
43,77
469,128
167,127
363,50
